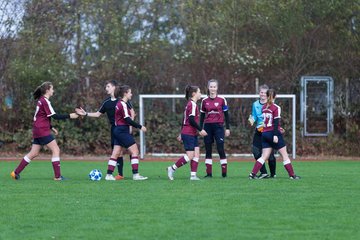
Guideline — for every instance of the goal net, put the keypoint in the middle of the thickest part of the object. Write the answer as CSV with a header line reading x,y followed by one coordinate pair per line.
x,y
162,115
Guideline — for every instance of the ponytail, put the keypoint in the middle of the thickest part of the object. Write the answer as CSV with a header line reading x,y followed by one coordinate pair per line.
x,y
189,90
271,94
41,90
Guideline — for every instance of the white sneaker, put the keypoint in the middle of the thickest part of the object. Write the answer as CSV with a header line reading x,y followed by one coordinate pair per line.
x,y
138,177
109,177
194,178
170,173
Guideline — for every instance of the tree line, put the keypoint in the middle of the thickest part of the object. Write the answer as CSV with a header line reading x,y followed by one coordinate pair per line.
x,y
159,46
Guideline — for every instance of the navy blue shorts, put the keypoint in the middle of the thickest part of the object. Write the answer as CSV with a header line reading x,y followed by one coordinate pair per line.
x,y
122,136
43,140
267,141
214,131
190,142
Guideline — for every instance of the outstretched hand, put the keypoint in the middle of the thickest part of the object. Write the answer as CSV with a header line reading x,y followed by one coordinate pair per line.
x,y
80,111
73,115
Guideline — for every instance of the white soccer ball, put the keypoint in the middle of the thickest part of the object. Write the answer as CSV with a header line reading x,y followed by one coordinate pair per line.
x,y
95,175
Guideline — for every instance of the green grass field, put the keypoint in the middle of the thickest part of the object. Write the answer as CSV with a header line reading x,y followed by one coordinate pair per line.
x,y
324,204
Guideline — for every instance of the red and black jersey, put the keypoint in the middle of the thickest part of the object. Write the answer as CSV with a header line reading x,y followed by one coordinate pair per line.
x,y
191,109
42,120
214,109
121,112
270,113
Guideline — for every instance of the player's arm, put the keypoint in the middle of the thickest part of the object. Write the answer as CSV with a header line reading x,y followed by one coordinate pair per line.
x,y
82,112
131,122
276,127
227,120
202,117
194,124
57,116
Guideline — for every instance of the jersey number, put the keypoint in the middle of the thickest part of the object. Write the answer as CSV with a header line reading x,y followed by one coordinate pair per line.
x,y
268,118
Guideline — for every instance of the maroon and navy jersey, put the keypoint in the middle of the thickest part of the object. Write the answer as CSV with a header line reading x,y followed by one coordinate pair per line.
x,y
270,113
214,109
191,109
121,112
42,118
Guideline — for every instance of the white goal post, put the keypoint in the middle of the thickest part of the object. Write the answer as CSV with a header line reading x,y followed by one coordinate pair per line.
x,y
227,96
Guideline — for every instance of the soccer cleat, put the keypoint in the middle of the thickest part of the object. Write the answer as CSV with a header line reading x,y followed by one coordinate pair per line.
x,y
14,175
109,177
194,178
263,175
138,177
252,176
223,175
295,177
119,177
273,176
209,175
61,178
170,172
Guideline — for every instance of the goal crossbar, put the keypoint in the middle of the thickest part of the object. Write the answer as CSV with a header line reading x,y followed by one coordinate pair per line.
x,y
254,96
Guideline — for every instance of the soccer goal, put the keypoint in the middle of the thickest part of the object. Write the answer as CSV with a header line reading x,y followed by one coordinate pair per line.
x,y
162,115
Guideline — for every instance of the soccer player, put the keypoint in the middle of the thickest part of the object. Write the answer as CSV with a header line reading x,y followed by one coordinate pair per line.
x,y
122,135
189,137
214,110
42,131
257,117
108,107
272,137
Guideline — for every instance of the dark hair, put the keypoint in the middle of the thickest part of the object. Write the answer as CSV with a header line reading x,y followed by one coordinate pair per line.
x,y
211,81
41,90
121,90
271,94
112,82
189,90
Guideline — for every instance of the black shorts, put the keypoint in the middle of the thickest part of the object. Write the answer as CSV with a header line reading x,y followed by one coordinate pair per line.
x,y
43,140
267,141
257,142
190,142
214,131
122,136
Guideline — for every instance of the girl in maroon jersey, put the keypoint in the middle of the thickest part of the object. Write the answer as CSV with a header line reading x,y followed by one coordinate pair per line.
x,y
214,113
122,136
42,131
189,130
271,137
